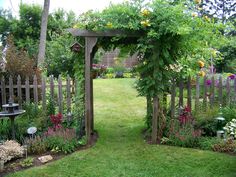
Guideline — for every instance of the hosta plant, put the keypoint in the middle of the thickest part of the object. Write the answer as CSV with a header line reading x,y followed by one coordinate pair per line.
x,y
230,128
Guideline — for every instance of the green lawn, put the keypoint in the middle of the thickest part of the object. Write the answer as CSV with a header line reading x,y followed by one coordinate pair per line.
x,y
121,150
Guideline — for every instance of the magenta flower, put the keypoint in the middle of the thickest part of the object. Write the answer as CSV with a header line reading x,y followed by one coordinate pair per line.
x,y
232,76
208,82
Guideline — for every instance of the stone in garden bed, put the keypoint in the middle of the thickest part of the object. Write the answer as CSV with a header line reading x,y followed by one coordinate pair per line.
x,y
46,158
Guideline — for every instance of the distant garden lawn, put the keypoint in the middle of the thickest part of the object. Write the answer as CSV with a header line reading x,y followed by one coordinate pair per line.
x,y
121,149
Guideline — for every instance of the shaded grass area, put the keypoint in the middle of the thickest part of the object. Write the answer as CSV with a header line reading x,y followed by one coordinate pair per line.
x,y
121,149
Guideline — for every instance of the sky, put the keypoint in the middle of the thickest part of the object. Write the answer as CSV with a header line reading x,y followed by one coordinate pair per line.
x,y
77,6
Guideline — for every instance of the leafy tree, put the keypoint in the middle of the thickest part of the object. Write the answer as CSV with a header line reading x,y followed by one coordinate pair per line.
x,y
5,25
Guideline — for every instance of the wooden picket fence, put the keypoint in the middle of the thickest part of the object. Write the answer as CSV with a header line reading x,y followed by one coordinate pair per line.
x,y
193,92
208,91
36,92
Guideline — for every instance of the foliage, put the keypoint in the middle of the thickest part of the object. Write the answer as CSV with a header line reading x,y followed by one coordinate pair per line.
x,y
19,62
207,143
184,136
59,58
98,70
230,128
5,24
229,113
185,116
51,109
229,53
228,146
56,120
36,145
27,162
205,120
62,140
26,30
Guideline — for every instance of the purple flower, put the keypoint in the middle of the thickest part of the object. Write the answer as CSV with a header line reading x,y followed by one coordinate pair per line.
x,y
232,76
208,82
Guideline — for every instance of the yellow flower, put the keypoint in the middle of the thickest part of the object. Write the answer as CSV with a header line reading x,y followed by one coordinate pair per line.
x,y
109,25
145,23
201,73
207,18
214,52
199,8
194,14
198,1
201,63
145,12
75,26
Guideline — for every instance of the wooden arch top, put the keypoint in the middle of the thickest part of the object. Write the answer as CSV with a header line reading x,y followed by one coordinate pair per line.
x,y
108,33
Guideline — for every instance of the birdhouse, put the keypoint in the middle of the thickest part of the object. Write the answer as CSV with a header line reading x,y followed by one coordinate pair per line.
x,y
76,47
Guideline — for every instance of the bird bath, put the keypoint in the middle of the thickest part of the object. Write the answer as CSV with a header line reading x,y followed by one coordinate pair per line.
x,y
11,110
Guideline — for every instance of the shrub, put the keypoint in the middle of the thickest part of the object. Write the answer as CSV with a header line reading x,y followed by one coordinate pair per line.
x,y
205,120
230,128
27,162
62,140
36,145
228,146
10,150
207,143
228,113
56,121
128,75
109,76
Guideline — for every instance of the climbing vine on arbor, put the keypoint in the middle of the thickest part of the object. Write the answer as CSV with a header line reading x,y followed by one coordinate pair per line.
x,y
169,35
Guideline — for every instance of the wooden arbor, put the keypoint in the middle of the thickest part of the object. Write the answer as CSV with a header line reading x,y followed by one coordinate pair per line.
x,y
90,42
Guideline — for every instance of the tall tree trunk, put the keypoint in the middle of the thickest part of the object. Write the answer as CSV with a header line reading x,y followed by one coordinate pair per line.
x,y
43,33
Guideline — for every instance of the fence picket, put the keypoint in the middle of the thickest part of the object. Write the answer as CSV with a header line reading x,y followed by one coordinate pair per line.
x,y
197,94
189,98
181,92
228,90
43,92
204,93
173,94
11,91
19,93
212,94
68,94
35,83
235,90
60,97
52,87
27,90
220,91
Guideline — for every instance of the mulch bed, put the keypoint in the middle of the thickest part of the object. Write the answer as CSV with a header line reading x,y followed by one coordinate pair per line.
x,y
14,165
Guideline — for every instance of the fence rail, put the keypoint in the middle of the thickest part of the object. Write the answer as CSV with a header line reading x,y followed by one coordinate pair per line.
x,y
25,91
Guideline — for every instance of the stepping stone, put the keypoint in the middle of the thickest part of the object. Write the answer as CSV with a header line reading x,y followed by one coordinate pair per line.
x,y
46,158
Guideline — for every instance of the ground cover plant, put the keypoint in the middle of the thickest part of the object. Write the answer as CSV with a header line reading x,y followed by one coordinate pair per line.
x,y
121,150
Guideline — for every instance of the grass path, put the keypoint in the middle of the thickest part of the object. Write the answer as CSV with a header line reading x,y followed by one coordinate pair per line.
x,y
121,150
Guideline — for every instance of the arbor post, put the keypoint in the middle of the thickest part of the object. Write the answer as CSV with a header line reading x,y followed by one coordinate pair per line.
x,y
90,42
